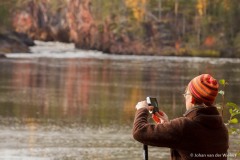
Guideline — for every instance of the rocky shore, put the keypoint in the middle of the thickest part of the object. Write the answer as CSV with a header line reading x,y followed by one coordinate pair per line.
x,y
13,42
74,21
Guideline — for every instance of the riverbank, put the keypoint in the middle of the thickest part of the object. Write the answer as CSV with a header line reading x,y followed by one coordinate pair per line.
x,y
79,22
13,42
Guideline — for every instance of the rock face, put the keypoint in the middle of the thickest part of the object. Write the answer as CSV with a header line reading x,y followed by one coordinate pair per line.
x,y
75,23
82,29
39,23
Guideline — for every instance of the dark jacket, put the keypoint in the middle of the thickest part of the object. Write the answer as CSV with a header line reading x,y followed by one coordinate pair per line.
x,y
201,134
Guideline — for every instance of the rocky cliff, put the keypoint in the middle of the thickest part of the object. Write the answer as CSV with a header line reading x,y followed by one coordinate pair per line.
x,y
73,22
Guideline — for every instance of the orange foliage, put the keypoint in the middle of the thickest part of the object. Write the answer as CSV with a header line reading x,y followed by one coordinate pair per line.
x,y
177,45
209,41
22,22
226,4
137,7
201,5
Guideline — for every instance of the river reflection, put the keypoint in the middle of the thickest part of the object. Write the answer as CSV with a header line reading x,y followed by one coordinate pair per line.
x,y
88,103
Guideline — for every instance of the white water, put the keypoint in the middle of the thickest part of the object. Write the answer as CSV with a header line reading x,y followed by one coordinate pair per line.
x,y
64,50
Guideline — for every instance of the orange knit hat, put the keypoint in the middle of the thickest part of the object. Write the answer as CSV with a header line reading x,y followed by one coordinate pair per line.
x,y
204,88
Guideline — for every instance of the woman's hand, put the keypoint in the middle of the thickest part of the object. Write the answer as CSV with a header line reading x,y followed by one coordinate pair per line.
x,y
141,104
162,116
158,115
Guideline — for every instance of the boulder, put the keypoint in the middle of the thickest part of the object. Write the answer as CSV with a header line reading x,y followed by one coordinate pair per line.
x,y
13,43
2,56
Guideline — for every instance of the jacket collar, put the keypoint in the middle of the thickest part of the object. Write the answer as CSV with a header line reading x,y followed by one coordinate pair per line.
x,y
196,110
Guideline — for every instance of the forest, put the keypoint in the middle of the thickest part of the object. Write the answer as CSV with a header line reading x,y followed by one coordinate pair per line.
x,y
154,27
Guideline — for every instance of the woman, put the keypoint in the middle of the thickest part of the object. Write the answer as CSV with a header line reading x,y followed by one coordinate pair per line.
x,y
200,133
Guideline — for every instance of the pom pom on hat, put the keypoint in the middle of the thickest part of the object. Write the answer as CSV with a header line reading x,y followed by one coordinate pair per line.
x,y
204,88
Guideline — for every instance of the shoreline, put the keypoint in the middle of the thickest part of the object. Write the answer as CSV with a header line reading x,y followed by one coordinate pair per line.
x,y
61,50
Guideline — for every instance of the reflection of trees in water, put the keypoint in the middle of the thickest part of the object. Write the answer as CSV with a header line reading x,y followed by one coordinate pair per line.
x,y
105,91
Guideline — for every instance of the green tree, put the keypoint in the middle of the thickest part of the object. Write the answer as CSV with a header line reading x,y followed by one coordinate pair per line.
x,y
233,109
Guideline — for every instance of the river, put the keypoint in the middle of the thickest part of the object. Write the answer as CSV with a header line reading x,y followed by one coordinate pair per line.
x,y
62,103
